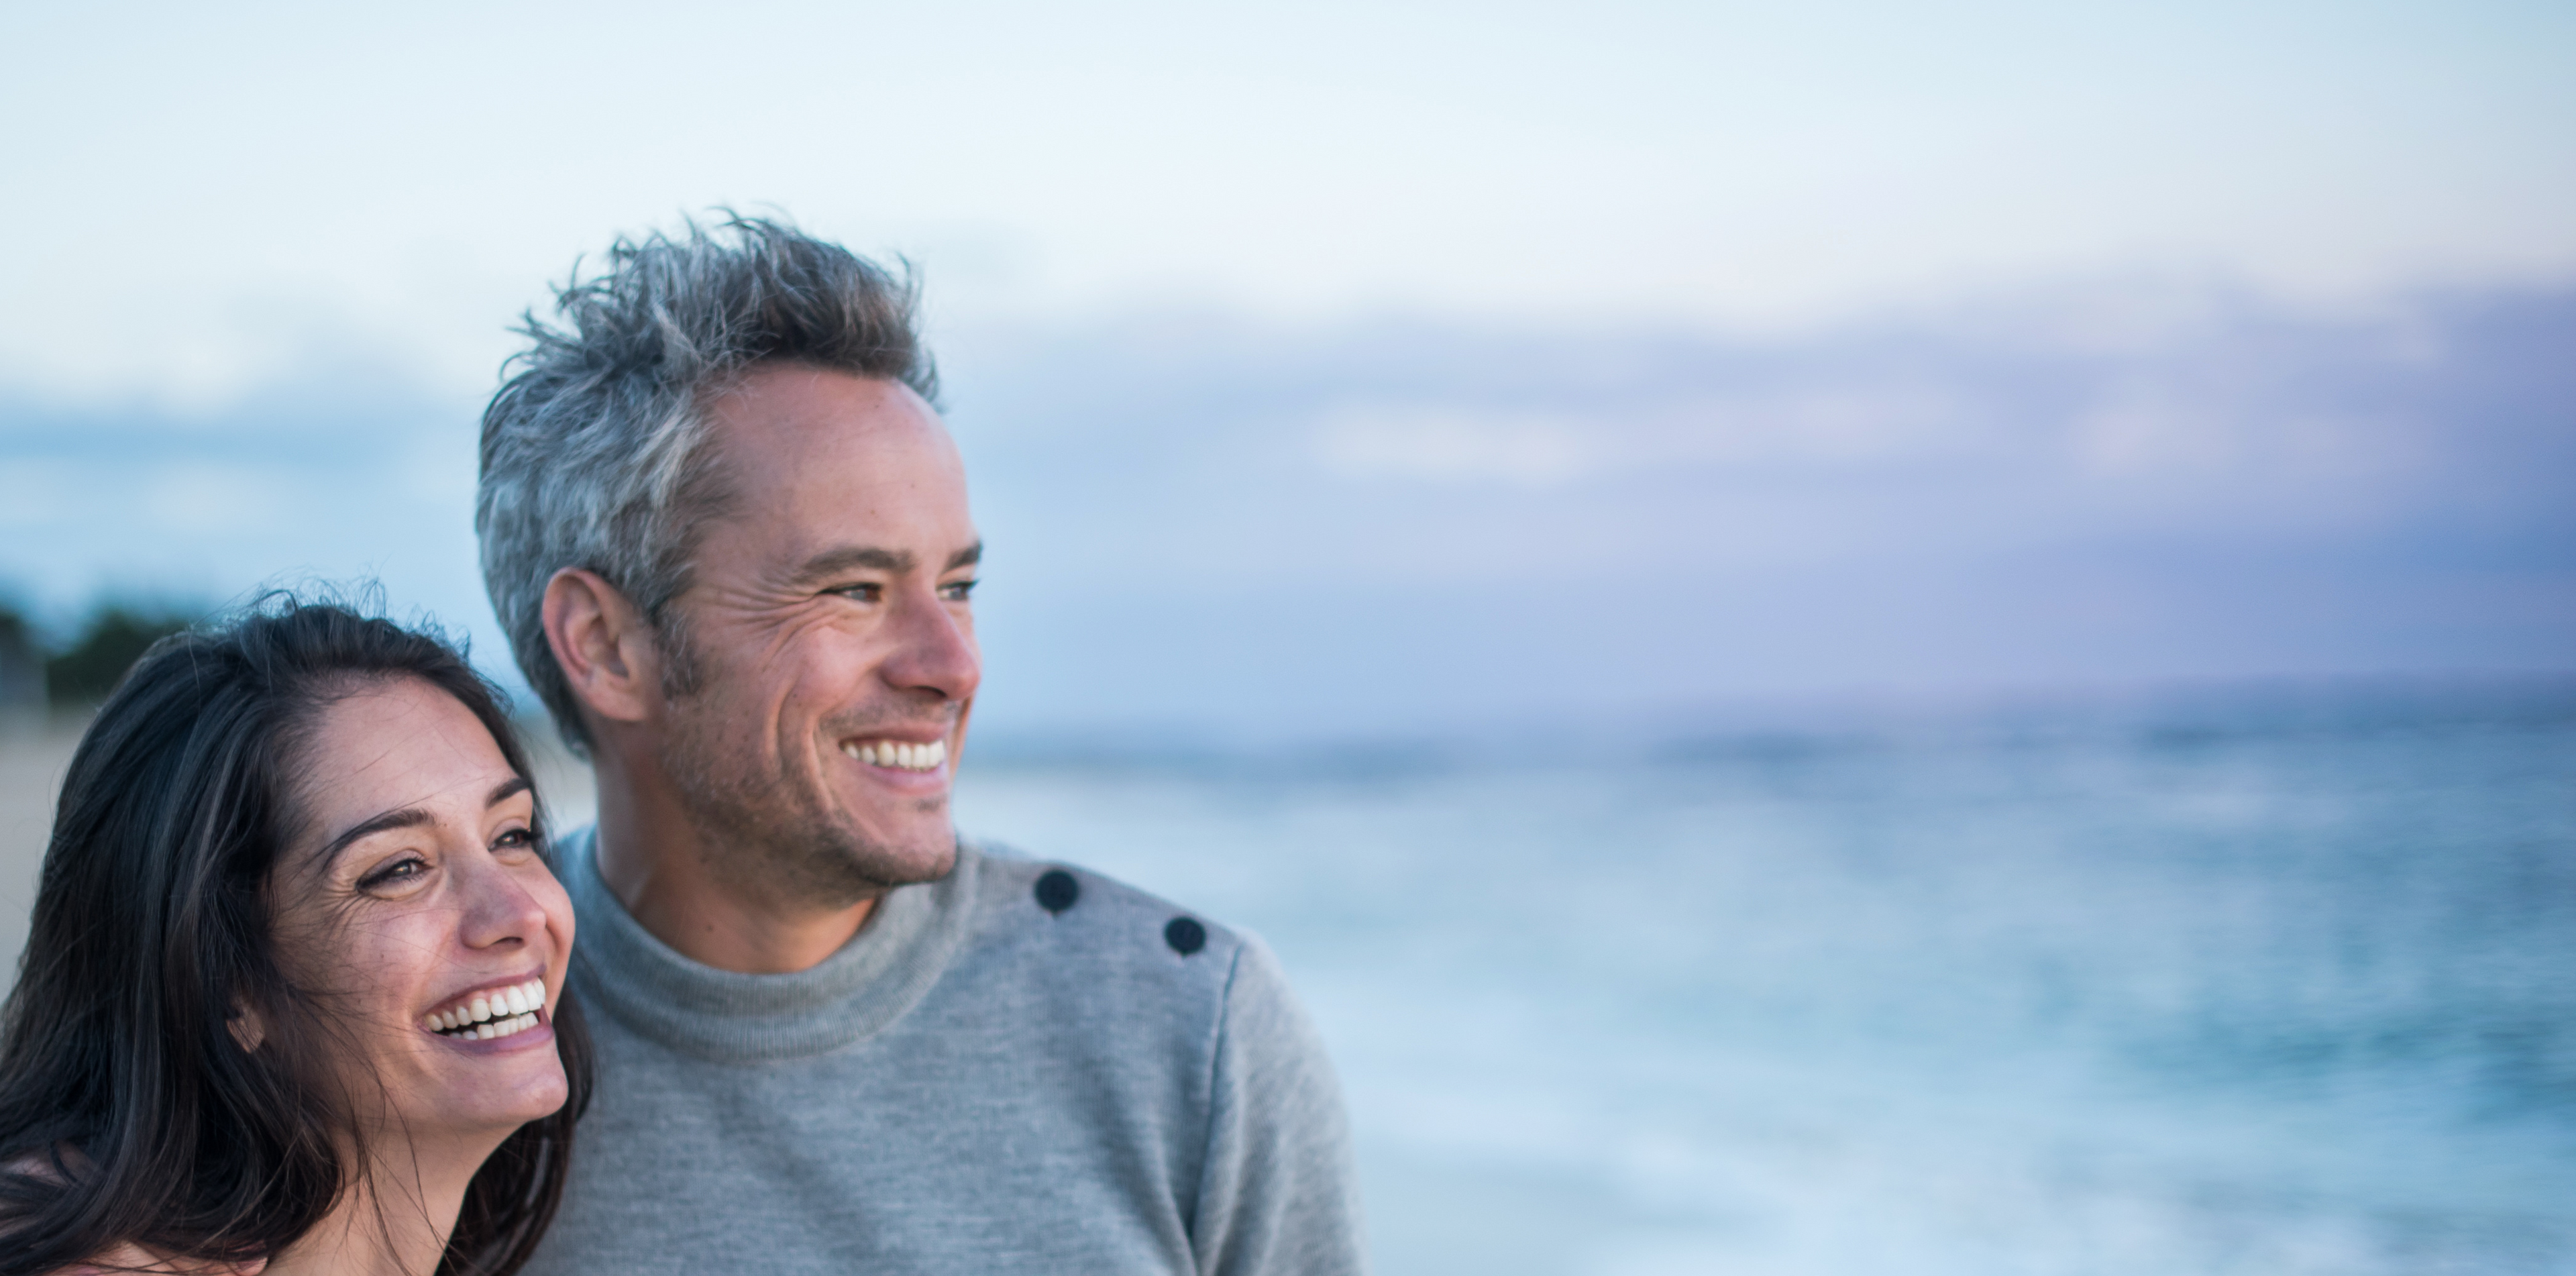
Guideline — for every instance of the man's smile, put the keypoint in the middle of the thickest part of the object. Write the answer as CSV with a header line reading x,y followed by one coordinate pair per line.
x,y
899,755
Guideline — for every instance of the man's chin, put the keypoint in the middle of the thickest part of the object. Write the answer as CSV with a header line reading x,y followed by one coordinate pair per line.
x,y
926,856
929,865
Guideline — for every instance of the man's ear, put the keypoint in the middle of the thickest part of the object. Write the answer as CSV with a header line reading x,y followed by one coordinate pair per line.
x,y
603,646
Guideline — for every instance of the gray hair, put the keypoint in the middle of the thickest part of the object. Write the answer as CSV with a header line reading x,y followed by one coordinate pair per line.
x,y
595,450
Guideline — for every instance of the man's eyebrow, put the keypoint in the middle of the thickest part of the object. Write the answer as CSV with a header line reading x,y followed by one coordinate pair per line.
x,y
848,558
834,562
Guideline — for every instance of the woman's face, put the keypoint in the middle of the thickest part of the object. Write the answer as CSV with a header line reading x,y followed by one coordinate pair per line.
x,y
413,899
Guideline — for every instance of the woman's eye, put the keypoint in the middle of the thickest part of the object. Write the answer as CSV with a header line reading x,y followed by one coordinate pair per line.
x,y
401,870
516,839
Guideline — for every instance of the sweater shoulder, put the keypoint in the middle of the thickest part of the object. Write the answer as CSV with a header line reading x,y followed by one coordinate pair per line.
x,y
1093,920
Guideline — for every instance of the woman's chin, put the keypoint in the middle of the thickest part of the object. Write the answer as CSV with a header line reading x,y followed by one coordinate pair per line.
x,y
500,1084
497,1115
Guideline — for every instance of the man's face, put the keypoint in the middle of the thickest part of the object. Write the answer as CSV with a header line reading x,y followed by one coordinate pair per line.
x,y
828,650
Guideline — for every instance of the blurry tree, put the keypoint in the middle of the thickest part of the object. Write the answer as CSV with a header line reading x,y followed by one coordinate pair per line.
x,y
22,668
109,645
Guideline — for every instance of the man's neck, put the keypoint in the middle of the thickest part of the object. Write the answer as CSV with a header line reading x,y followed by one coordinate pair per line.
x,y
651,859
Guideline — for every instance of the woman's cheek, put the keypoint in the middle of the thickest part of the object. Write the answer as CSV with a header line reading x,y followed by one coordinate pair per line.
x,y
404,964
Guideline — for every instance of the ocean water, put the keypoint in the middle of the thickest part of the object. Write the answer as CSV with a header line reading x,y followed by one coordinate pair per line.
x,y
2274,983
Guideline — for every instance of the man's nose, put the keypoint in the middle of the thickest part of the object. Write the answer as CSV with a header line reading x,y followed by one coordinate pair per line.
x,y
934,650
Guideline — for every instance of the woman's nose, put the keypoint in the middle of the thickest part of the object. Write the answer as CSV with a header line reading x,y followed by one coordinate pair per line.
x,y
497,908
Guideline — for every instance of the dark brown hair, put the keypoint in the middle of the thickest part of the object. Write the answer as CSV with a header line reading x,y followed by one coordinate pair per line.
x,y
128,1111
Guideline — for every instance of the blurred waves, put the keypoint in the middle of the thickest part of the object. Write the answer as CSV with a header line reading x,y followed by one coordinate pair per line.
x,y
2250,980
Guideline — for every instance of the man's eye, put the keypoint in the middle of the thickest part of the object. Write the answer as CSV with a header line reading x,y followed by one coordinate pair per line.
x,y
867,593
957,591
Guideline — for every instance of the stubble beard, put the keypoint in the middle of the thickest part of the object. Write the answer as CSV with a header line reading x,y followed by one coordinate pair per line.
x,y
772,837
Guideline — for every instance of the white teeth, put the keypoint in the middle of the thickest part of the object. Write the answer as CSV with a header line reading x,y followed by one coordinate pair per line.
x,y
899,754
493,1014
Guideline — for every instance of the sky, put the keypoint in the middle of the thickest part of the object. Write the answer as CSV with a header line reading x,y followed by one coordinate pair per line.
x,y
1353,368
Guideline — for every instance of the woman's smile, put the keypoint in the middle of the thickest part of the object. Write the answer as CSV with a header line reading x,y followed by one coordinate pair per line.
x,y
505,1010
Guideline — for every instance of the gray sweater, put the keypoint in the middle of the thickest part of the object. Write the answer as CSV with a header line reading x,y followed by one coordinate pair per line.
x,y
1018,1068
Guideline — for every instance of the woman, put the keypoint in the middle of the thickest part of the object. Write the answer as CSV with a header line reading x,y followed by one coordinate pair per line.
x,y
292,994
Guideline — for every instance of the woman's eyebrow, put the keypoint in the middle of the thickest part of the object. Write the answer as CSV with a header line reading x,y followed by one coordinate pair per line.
x,y
413,817
407,817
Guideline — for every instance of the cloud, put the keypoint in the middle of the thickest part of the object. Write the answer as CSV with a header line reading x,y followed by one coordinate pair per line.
x,y
1431,515
202,499
1447,445
34,491
1194,519
2228,420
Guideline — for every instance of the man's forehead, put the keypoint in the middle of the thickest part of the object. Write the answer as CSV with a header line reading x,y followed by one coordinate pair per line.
x,y
795,407
832,453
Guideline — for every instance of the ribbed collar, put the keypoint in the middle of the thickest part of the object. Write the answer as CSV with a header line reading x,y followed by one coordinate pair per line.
x,y
727,1017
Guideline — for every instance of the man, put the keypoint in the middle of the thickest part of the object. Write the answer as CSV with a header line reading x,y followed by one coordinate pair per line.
x,y
729,539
